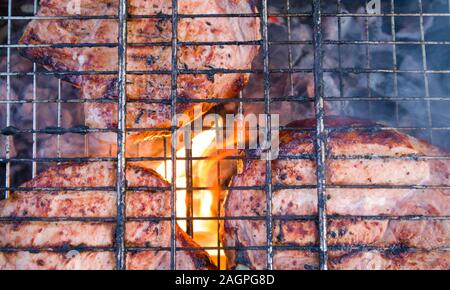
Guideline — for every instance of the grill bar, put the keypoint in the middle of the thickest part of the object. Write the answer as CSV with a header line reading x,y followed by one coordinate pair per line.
x,y
85,130
34,164
121,138
8,105
189,190
321,134
274,187
249,218
341,74
218,191
290,54
268,131
10,131
59,119
215,43
225,71
368,62
251,15
174,88
314,249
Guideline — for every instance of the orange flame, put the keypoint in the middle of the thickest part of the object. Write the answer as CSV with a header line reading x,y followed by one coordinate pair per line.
x,y
205,174
205,201
200,145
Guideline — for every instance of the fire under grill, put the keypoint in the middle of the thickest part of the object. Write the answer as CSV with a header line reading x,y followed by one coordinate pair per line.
x,y
317,59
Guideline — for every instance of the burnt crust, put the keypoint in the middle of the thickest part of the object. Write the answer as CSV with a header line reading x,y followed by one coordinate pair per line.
x,y
343,132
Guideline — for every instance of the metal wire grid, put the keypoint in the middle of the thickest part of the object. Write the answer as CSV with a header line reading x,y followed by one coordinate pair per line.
x,y
321,131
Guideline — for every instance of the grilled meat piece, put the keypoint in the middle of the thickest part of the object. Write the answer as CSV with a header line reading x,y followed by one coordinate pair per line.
x,y
376,188
150,93
66,221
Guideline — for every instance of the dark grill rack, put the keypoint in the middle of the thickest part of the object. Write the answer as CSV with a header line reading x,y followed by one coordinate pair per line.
x,y
317,14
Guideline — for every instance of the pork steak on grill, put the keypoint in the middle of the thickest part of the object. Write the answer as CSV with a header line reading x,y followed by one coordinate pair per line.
x,y
149,49
362,187
66,221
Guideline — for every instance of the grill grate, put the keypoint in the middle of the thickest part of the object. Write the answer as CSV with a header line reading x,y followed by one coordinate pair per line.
x,y
436,130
